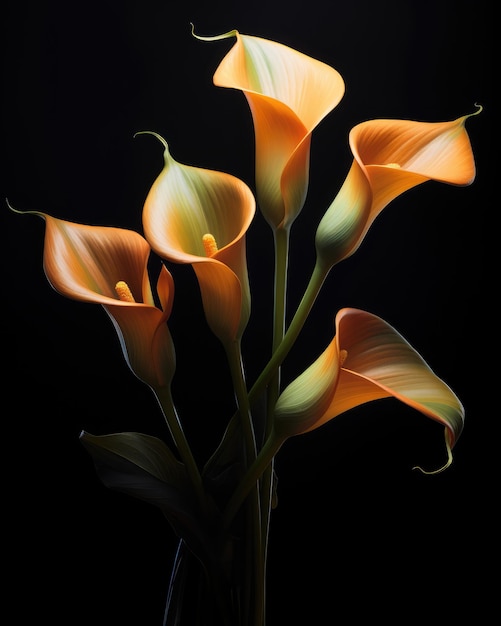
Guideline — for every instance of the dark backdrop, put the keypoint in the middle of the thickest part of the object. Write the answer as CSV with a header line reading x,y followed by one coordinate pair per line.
x,y
357,536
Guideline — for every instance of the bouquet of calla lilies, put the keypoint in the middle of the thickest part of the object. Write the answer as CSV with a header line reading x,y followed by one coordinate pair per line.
x,y
221,510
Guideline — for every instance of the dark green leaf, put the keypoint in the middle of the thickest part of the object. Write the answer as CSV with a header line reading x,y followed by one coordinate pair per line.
x,y
143,466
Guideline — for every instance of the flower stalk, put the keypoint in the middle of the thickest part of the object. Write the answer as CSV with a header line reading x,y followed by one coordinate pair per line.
x,y
254,575
166,402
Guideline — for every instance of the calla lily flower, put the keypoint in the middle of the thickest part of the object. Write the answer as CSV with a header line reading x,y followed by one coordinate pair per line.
x,y
108,266
199,216
391,157
366,360
289,93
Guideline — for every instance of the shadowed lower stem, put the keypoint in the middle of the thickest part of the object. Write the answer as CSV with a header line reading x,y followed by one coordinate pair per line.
x,y
253,511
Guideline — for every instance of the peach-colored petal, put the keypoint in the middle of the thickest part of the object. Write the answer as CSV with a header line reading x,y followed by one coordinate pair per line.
x,y
282,160
399,154
85,263
289,93
393,156
184,204
380,363
146,342
220,290
366,360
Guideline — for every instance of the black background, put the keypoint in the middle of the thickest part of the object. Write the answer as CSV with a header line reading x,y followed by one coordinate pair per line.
x,y
357,536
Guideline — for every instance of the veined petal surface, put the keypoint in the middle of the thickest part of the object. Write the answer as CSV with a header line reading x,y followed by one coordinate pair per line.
x,y
392,156
85,263
289,93
184,204
399,154
371,361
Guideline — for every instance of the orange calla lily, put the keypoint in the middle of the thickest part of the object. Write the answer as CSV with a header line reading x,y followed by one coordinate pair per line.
x,y
391,157
199,216
289,93
366,360
108,266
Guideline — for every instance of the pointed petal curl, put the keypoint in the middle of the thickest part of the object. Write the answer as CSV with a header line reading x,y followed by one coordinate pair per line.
x,y
391,157
369,360
184,204
85,263
288,93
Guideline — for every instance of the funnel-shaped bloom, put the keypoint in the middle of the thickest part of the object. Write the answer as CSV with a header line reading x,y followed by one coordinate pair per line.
x,y
390,157
366,360
199,216
108,266
289,93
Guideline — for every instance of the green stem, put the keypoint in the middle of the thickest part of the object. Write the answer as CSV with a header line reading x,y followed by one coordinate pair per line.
x,y
316,281
253,513
279,304
212,593
164,397
281,240
271,446
234,356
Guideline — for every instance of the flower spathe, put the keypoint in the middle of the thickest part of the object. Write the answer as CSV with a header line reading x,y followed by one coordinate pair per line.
x,y
366,360
391,157
85,263
185,204
289,93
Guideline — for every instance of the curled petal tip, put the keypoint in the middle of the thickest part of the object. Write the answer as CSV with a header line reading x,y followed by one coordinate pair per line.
x,y
12,208
440,469
227,35
151,132
430,472
480,108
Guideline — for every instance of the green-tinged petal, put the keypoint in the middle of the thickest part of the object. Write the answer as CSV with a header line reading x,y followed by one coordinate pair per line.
x,y
184,204
85,263
344,222
289,93
308,396
374,362
392,156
